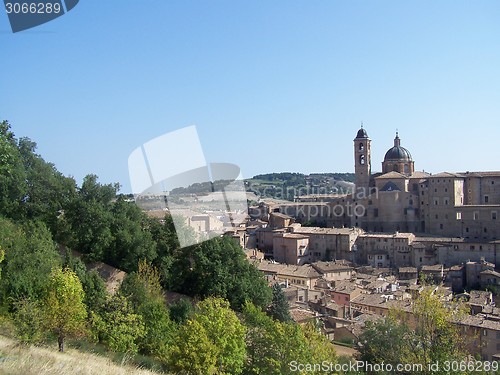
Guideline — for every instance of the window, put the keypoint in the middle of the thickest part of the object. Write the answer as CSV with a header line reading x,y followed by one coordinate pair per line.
x,y
361,147
476,215
493,215
486,199
472,247
446,201
436,201
441,226
362,159
437,216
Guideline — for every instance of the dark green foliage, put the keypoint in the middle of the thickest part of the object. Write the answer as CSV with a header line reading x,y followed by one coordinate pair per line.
x,y
218,268
279,308
89,218
12,174
132,241
143,290
181,310
30,256
93,284
48,191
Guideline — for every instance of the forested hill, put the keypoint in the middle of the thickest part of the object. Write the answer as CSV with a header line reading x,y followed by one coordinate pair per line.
x,y
287,185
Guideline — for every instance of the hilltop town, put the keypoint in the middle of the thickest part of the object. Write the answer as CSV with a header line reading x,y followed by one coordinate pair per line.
x,y
345,259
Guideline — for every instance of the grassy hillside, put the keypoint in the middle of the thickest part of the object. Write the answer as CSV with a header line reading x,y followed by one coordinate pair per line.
x,y
17,359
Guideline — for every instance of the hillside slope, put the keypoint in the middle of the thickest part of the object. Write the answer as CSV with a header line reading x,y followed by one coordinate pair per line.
x,y
29,360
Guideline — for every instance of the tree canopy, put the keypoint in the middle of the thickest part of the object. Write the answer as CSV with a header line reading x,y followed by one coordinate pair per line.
x,y
64,311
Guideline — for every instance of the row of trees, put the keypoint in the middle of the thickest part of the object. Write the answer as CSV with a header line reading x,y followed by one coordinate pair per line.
x,y
208,338
98,222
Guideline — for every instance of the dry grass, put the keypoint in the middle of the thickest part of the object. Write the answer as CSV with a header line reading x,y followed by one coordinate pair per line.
x,y
24,360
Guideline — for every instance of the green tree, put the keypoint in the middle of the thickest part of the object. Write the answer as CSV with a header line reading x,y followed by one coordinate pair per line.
x,y
212,340
425,335
29,321
89,219
181,310
12,174
279,308
143,290
118,326
29,260
272,346
64,310
218,267
132,239
48,192
192,352
93,284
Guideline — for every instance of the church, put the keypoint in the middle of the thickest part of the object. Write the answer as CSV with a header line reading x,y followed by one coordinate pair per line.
x,y
464,204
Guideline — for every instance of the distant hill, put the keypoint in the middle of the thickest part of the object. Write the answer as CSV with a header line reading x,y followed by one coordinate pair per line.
x,y
288,185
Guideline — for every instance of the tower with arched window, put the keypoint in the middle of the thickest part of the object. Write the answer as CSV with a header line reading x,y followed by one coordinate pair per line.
x,y
362,162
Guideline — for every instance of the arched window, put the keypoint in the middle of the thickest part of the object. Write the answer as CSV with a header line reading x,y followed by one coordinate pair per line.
x,y
395,168
407,168
362,159
361,147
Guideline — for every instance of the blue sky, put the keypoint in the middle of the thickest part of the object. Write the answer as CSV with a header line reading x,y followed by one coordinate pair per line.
x,y
271,85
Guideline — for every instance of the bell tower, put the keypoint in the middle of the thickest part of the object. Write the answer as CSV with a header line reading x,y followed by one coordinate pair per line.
x,y
362,163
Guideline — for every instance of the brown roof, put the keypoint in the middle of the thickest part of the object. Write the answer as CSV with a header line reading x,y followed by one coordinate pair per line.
x,y
324,267
407,270
318,230
305,271
391,175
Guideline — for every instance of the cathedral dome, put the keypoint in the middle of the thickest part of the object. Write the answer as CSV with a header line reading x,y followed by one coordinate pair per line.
x,y
397,153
